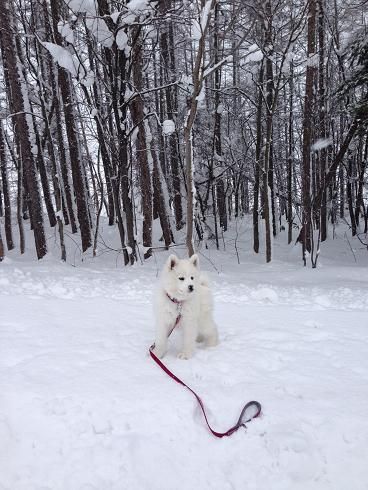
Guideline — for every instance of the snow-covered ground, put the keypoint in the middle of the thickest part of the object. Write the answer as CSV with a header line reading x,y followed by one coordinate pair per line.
x,y
83,407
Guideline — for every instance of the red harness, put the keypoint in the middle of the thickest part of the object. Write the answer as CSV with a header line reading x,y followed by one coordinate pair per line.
x,y
256,406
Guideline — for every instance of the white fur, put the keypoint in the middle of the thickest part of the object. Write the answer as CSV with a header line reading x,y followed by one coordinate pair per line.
x,y
196,321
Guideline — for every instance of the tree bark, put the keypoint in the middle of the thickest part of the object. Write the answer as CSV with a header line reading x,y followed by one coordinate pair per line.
x,y
5,186
257,165
11,65
290,157
142,144
322,114
268,197
197,78
217,144
171,99
73,140
307,130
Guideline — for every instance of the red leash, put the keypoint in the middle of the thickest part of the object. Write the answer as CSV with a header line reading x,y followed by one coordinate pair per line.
x,y
240,423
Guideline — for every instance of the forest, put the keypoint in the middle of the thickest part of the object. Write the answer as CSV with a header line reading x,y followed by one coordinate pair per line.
x,y
188,114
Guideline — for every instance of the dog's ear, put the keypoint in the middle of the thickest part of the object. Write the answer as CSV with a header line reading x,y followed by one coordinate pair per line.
x,y
172,262
194,260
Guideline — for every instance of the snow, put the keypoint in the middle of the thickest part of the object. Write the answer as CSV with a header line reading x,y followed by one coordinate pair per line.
x,y
133,9
70,62
168,127
121,39
64,58
138,5
321,144
115,16
312,60
99,29
253,54
198,27
82,6
66,31
202,95
95,24
196,32
83,407
205,15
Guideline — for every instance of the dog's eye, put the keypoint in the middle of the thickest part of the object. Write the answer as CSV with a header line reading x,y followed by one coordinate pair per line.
x,y
181,278
192,278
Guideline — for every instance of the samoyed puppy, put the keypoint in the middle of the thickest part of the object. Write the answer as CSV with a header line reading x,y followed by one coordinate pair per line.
x,y
183,300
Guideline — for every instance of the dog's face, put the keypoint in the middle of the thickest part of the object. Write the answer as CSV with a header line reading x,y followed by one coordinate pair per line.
x,y
181,276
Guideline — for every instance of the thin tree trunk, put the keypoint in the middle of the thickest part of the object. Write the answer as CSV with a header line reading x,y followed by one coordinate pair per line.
x,y
360,208
337,161
20,198
188,135
290,158
61,160
349,194
257,166
102,132
142,148
268,197
5,186
169,72
307,131
162,206
73,140
217,144
322,113
2,253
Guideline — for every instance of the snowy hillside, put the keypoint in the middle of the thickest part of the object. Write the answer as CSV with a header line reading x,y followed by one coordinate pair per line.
x,y
83,407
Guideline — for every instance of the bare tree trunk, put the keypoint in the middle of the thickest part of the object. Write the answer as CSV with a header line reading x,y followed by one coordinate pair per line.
x,y
215,214
5,186
188,136
322,114
9,53
142,145
45,183
171,96
20,199
307,131
61,166
349,194
217,144
257,166
74,144
290,158
101,119
268,165
2,253
162,206
360,208
190,183
337,161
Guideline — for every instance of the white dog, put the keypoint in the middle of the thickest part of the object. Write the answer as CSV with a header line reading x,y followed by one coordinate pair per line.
x,y
184,300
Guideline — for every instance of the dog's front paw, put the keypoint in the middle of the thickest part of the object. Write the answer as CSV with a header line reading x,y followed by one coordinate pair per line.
x,y
211,341
185,355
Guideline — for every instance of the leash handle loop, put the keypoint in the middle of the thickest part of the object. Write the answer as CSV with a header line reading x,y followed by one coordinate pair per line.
x,y
240,422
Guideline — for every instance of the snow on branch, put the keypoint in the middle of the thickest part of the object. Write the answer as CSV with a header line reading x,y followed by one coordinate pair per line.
x,y
70,62
321,144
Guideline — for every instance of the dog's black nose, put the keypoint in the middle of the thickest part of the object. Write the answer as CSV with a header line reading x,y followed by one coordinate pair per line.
x,y
190,288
